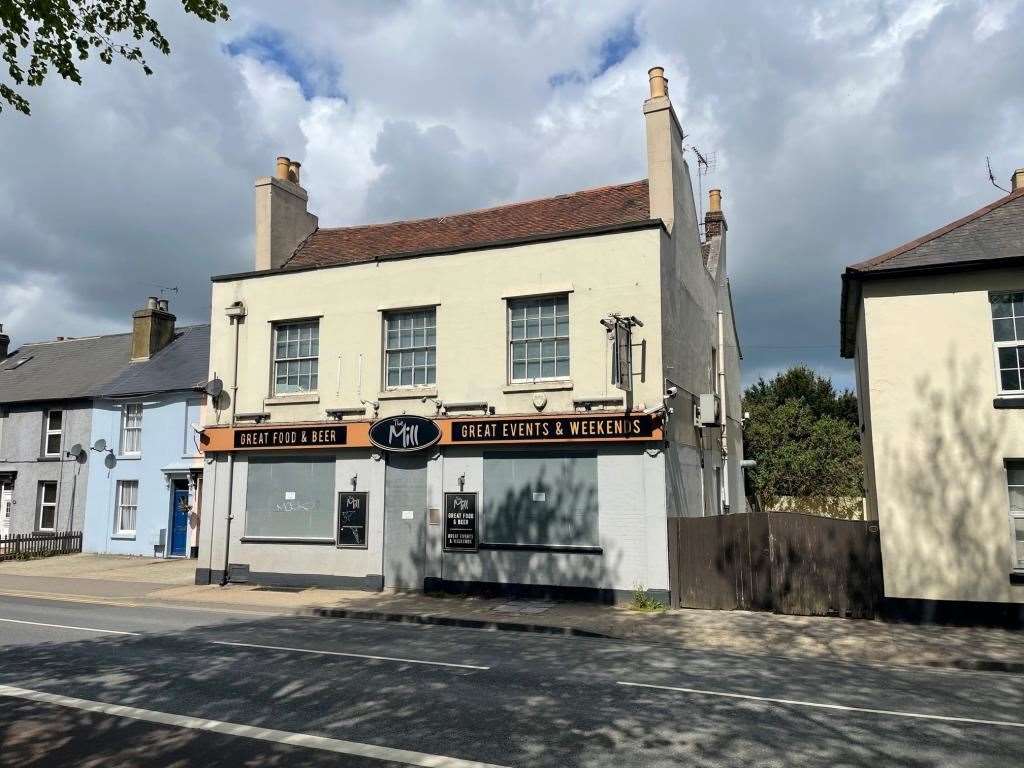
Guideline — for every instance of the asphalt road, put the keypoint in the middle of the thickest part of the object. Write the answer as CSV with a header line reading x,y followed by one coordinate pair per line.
x,y
94,684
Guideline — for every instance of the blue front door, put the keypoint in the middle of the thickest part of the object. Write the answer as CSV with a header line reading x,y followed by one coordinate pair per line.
x,y
179,522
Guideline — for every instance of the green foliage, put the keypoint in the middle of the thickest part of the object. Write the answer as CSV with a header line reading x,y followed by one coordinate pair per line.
x,y
56,33
642,601
805,438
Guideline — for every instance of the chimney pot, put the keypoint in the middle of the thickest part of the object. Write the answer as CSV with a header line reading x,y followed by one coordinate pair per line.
x,y
293,171
151,302
281,171
1017,180
715,200
658,81
162,305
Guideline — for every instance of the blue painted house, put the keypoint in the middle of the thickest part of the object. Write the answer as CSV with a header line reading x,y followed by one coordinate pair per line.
x,y
148,503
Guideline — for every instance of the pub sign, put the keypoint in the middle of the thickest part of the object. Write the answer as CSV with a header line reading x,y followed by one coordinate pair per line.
x,y
461,523
404,433
352,507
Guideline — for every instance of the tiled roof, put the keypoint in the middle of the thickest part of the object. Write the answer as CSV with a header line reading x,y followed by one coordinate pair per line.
x,y
62,370
989,234
590,209
181,365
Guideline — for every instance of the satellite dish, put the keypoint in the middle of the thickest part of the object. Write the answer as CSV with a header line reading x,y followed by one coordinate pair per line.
x,y
76,450
214,387
100,445
110,461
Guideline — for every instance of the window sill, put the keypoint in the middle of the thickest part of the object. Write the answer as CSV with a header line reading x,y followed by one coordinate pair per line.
x,y
292,399
1008,401
538,386
48,458
122,536
44,532
130,457
565,548
284,540
408,393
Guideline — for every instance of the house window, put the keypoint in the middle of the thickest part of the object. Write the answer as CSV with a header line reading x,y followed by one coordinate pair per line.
x,y
290,497
46,518
54,427
131,429
296,357
410,348
127,507
1008,332
538,332
1015,486
544,499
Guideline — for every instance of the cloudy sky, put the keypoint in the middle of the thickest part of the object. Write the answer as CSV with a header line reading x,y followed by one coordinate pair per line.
x,y
840,130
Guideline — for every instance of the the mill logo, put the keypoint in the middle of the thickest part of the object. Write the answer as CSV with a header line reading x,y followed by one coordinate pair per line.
x,y
404,433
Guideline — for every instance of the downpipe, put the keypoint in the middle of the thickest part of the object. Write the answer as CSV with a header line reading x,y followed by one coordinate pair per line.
x,y
235,313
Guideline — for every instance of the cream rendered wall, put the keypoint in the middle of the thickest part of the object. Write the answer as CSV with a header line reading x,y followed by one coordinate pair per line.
x,y
937,440
615,272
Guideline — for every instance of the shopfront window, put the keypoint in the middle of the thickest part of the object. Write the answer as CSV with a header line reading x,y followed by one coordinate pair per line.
x,y
290,497
544,499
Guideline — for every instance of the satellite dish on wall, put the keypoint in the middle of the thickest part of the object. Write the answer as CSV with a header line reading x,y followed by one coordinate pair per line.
x,y
100,445
214,387
110,461
76,450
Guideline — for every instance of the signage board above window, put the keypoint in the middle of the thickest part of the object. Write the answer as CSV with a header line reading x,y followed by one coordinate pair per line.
x,y
404,433
291,437
553,428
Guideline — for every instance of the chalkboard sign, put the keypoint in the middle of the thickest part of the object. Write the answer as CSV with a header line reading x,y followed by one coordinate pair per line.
x,y
352,507
460,522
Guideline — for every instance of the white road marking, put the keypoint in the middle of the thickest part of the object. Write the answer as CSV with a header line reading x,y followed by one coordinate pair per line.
x,y
66,626
819,705
310,741
352,655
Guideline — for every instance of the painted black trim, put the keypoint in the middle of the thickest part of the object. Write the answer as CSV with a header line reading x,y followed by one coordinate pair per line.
x,y
571,234
1008,402
1017,577
545,548
952,612
270,540
369,583
603,595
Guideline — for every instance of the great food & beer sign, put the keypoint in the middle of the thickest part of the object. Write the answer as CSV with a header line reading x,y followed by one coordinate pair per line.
x,y
291,437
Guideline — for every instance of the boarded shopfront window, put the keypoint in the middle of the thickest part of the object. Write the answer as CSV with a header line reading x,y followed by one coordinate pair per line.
x,y
541,499
290,497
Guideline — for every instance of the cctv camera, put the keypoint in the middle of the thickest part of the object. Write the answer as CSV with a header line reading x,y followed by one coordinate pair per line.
x,y
671,392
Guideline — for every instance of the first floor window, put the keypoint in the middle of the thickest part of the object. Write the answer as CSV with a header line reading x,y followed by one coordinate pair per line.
x,y
54,428
1015,486
538,333
410,348
46,519
131,429
296,357
290,497
1008,334
127,506
540,499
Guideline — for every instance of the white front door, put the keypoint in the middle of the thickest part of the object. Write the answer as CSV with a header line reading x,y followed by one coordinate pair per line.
x,y
5,510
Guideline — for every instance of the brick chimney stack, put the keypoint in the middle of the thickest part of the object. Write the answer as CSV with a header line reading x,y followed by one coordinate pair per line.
x,y
282,216
714,219
666,174
1017,180
152,329
5,343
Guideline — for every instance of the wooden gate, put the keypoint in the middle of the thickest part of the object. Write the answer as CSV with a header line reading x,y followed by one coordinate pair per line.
x,y
784,562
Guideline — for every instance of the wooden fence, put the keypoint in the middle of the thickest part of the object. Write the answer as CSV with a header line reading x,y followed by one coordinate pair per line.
x,y
37,544
784,562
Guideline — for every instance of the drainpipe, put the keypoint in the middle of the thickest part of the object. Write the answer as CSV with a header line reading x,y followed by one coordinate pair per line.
x,y
235,313
723,410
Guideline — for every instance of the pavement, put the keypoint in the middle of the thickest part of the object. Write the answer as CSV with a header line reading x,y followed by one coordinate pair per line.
x,y
97,684
142,581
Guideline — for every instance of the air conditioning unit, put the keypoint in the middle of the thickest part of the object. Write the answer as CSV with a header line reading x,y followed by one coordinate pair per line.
x,y
710,410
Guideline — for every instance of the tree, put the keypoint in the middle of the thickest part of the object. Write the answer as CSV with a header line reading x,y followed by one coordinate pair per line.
x,y
56,33
805,438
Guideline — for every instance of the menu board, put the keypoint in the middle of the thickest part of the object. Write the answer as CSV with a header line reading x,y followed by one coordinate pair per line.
x,y
352,507
460,522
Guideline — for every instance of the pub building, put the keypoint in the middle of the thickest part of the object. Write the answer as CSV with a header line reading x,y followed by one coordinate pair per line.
x,y
509,400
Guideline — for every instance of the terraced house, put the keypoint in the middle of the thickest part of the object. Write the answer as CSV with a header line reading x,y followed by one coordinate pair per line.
x,y
511,399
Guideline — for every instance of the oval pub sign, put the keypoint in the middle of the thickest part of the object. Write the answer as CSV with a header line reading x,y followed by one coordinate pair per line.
x,y
404,433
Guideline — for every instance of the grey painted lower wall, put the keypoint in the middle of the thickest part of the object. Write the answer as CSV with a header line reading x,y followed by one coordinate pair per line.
x,y
632,530
21,448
